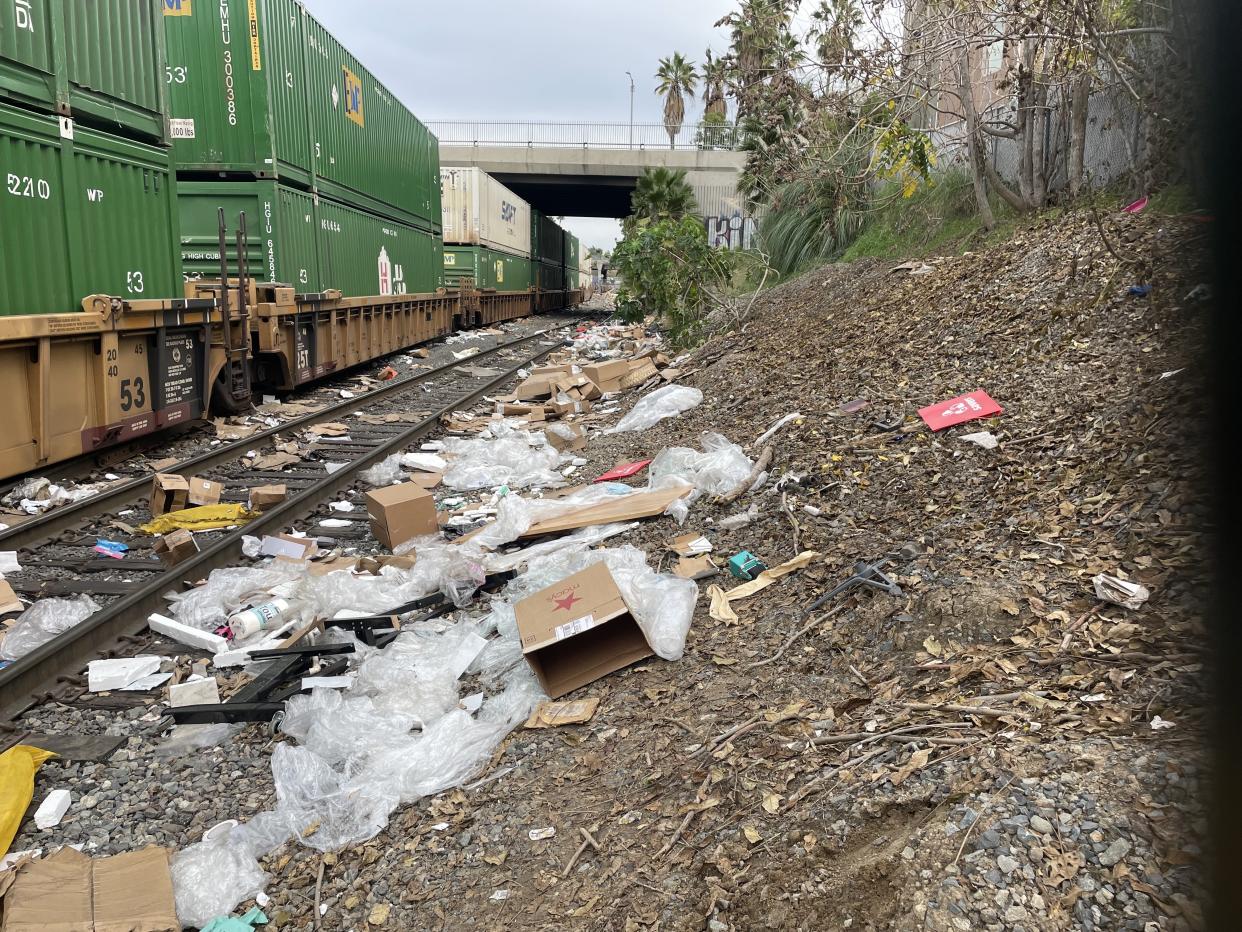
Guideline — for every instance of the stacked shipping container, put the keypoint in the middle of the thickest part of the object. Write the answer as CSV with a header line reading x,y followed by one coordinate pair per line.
x,y
486,232
81,127
272,114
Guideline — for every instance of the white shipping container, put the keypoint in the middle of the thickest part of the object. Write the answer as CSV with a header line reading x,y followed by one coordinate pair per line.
x,y
480,211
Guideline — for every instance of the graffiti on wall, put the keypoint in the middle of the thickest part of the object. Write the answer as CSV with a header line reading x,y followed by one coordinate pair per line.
x,y
734,232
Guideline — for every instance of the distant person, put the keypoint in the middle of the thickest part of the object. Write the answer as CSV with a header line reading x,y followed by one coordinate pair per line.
x,y
603,273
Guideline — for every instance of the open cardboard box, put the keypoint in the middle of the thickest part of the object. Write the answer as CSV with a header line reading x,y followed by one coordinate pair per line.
x,y
579,630
176,547
607,376
169,493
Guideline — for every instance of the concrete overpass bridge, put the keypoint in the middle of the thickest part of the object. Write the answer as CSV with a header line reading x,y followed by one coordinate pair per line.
x,y
590,169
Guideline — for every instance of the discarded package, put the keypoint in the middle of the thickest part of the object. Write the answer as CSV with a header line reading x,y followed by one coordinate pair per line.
x,y
204,492
205,518
510,457
263,497
9,602
625,471
176,547
257,618
111,548
119,673
400,513
70,892
43,622
566,438
608,375
168,493
746,565
556,714
721,469
960,410
688,545
620,508
669,401
18,766
1120,591
700,567
286,545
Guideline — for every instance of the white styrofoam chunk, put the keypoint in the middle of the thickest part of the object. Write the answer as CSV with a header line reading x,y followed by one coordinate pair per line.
x,y
203,691
184,634
108,675
53,809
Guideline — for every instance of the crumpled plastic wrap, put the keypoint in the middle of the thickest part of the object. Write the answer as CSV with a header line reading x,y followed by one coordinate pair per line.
x,y
509,457
44,621
669,401
211,878
383,473
721,468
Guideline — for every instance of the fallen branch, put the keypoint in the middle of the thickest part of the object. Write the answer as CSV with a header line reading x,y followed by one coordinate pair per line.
x,y
793,638
824,777
982,711
866,737
684,822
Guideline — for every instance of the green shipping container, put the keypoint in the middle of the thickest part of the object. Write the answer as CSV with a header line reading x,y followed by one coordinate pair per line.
x,y
90,214
550,276
547,239
260,88
571,257
490,268
313,244
100,62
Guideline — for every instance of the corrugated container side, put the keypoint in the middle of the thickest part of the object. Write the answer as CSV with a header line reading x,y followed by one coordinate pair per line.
x,y
101,62
280,222
364,255
571,253
551,243
550,276
90,215
365,141
490,268
479,210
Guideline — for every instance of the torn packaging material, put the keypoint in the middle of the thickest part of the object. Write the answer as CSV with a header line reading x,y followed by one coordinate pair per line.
x,y
168,493
286,545
565,438
176,547
959,410
578,630
18,766
71,892
622,508
400,513
9,602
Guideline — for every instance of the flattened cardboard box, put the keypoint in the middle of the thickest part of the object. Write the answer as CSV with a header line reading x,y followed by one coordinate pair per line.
x,y
71,892
400,513
168,493
579,630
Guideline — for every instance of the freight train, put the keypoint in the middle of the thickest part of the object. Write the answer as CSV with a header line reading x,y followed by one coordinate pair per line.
x,y
205,200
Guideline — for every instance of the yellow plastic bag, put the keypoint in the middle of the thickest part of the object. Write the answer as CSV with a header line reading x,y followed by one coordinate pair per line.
x,y
18,766
207,518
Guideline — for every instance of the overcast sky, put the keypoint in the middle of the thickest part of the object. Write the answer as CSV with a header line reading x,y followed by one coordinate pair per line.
x,y
550,60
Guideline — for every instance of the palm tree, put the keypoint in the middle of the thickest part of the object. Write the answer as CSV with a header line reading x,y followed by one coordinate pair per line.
x,y
714,74
662,194
676,76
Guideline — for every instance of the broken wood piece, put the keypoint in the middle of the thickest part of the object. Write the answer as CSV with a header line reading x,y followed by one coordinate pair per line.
x,y
765,460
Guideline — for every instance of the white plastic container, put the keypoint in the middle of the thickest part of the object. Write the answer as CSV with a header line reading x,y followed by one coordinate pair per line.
x,y
259,618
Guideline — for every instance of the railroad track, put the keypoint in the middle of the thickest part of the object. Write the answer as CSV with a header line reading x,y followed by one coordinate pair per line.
x,y
58,559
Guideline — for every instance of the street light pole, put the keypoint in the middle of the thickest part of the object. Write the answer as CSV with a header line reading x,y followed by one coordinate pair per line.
x,y
631,77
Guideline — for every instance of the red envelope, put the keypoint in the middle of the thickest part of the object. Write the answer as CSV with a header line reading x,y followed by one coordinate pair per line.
x,y
960,410
624,472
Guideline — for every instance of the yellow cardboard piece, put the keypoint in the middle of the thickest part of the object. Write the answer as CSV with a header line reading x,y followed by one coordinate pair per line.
x,y
206,518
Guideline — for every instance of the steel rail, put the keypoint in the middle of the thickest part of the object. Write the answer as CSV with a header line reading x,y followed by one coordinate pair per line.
x,y
29,680
56,521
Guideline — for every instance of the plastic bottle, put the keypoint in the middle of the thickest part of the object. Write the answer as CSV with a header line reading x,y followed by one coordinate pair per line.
x,y
257,618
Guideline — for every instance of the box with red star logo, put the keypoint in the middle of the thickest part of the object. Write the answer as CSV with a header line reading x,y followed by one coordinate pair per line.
x,y
578,630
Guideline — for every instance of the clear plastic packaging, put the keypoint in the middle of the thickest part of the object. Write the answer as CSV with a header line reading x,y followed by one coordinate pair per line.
x,y
669,401
211,878
720,469
384,473
509,457
44,621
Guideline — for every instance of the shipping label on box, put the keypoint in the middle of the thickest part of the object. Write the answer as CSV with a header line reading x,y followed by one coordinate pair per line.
x,y
204,492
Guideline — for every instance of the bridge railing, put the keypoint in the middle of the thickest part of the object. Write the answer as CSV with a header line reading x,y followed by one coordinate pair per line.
x,y
718,136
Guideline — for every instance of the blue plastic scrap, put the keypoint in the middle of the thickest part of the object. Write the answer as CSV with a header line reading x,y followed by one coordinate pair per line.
x,y
246,923
746,565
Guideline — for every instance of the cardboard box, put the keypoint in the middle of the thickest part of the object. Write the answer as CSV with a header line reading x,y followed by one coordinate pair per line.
x,y
400,513
569,406
551,370
176,547
579,384
168,493
204,492
532,413
9,602
579,630
71,892
608,375
640,372
263,497
535,387
565,438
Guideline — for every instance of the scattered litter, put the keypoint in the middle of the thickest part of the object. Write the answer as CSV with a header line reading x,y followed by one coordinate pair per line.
x,y
1157,723
111,548
52,809
1136,206
109,675
335,523
176,547
387,374
8,562
334,468
669,401
746,565
345,507
246,923
42,622
539,834
775,429
688,545
203,690
472,703
206,518
500,895
959,410
700,567
556,714
738,521
1120,591
720,609
984,439
624,472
